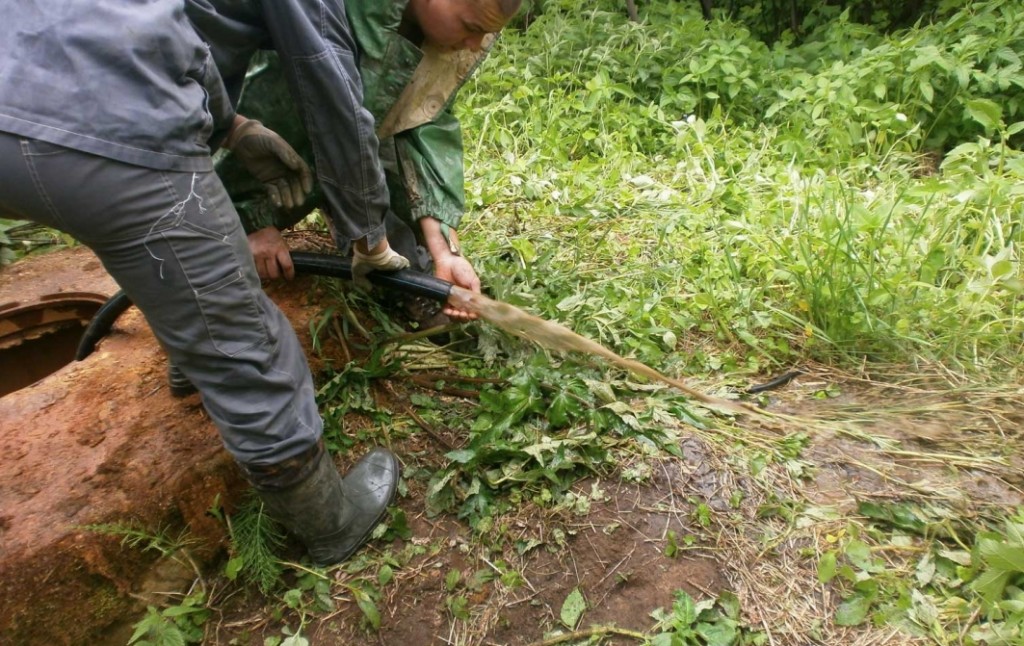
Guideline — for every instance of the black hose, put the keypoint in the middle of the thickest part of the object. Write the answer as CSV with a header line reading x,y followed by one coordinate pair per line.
x,y
404,280
101,323
778,382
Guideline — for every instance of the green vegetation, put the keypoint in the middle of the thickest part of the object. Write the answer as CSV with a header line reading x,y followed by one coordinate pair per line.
x,y
721,209
19,238
712,205
857,195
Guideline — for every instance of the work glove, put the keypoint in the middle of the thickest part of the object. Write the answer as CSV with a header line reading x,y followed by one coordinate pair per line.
x,y
273,162
387,260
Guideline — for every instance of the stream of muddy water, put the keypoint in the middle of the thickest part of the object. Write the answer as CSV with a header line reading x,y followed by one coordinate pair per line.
x,y
554,336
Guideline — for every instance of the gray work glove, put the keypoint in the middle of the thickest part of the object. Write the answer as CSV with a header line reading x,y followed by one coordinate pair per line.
x,y
273,162
387,260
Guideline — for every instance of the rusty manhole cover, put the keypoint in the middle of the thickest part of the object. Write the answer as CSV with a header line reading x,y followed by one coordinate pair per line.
x,y
39,338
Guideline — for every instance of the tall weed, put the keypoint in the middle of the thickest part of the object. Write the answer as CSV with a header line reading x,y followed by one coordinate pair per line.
x,y
698,200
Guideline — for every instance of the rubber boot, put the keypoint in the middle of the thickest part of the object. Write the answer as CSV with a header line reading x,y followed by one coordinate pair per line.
x,y
179,384
334,516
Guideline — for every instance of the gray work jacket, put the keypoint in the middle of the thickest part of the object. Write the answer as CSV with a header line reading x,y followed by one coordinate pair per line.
x,y
319,55
128,80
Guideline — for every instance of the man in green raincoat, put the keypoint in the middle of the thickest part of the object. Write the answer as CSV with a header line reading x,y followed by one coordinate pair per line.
x,y
413,56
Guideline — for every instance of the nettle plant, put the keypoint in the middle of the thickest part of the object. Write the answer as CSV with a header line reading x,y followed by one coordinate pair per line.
x,y
538,432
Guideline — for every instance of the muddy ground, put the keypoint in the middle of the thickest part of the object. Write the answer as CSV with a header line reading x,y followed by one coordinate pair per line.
x,y
101,441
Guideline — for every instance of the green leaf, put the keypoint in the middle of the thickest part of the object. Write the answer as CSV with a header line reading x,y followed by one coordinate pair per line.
x,y
1002,556
293,598
563,405
730,604
927,91
451,580
570,302
423,401
602,390
142,628
296,640
827,567
900,515
986,112
233,567
860,555
925,570
573,608
525,248
1015,533
720,633
853,611
459,607
924,608
671,547
462,456
1001,268
385,575
991,583
369,609
684,609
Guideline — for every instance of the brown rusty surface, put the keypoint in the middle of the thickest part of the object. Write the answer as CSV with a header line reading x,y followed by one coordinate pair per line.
x,y
39,338
100,441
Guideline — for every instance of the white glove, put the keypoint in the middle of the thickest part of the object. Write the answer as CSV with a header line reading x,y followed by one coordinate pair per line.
x,y
387,260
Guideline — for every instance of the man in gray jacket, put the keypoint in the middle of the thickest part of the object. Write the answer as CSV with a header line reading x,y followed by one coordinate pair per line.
x,y
107,108
341,74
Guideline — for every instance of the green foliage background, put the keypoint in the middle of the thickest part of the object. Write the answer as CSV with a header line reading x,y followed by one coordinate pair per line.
x,y
717,200
700,200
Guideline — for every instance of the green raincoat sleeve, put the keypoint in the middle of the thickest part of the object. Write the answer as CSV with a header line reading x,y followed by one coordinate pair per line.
x,y
430,178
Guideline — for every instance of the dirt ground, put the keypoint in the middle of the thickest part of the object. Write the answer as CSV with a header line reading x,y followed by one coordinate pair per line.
x,y
614,554
101,441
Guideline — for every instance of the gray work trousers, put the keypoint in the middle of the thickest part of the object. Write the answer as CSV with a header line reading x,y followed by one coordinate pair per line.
x,y
174,243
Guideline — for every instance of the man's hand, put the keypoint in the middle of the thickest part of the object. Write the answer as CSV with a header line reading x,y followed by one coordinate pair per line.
x,y
272,161
271,255
449,264
458,271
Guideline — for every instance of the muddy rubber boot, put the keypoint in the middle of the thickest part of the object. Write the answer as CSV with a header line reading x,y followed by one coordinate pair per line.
x,y
334,516
179,384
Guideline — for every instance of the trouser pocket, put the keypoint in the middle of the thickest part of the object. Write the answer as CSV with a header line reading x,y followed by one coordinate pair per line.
x,y
225,305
